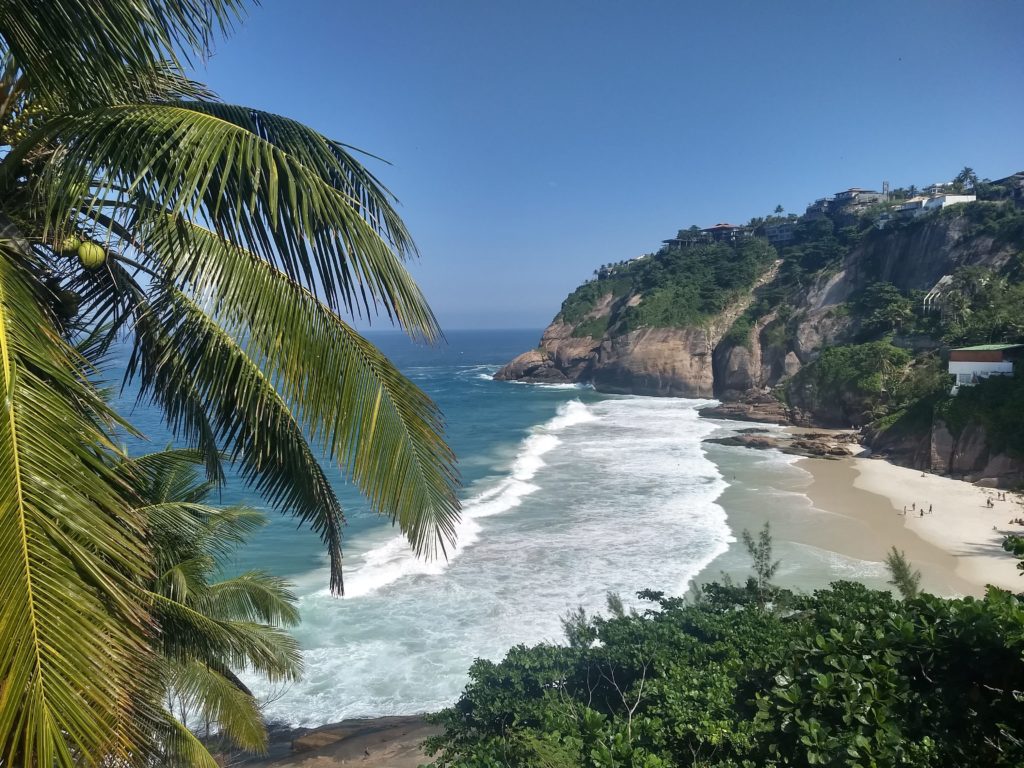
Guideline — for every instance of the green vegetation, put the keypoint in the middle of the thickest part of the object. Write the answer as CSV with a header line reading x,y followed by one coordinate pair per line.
x,y
583,300
680,286
231,240
847,676
982,307
902,574
851,381
995,403
210,627
684,286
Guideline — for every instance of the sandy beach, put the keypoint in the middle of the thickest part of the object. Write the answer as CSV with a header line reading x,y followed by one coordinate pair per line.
x,y
957,547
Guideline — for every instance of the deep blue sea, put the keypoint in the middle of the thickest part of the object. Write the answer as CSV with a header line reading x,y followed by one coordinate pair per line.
x,y
567,494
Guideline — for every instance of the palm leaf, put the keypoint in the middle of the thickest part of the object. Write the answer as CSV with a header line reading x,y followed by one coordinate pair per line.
x,y
81,52
190,633
71,630
179,747
359,408
266,183
247,414
254,596
214,697
113,294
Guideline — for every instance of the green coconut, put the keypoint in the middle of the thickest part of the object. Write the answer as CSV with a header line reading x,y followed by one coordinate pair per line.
x,y
70,245
91,256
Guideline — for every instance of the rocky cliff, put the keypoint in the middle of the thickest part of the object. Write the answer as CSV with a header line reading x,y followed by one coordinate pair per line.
x,y
737,351
968,455
746,324
661,361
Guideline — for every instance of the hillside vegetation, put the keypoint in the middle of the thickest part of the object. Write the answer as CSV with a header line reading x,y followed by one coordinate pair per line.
x,y
678,287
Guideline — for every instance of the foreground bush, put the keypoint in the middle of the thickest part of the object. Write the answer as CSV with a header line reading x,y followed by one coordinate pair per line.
x,y
846,677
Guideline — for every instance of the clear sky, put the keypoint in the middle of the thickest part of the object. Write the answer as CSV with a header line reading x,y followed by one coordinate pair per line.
x,y
532,141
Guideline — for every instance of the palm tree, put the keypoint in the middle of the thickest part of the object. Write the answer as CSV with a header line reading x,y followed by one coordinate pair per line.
x,y
220,243
207,628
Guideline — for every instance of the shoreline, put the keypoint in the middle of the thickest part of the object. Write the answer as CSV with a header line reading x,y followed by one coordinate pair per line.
x,y
957,548
372,742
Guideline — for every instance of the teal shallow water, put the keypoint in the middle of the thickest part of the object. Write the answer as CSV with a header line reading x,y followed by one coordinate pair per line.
x,y
568,494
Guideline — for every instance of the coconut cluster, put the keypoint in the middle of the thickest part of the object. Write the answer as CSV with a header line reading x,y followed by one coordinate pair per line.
x,y
90,255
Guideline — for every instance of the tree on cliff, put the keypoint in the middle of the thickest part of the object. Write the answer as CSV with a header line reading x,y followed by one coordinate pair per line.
x,y
219,243
967,179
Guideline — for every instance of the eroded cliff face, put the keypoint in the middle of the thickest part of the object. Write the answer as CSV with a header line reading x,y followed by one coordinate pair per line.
x,y
706,361
968,456
915,259
668,362
672,362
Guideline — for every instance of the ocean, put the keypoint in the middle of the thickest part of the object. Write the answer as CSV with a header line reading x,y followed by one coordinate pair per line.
x,y
568,495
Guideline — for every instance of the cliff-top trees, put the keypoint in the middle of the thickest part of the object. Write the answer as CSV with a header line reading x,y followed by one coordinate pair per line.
x,y
220,243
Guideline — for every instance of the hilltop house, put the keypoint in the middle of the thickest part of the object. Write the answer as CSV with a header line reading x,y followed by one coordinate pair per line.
x,y
858,196
720,233
727,233
944,201
972,364
818,208
908,209
780,233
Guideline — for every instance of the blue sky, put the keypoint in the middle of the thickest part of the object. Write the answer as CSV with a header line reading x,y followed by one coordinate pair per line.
x,y
532,141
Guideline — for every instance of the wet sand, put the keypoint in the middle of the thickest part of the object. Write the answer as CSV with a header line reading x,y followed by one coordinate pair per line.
x,y
957,547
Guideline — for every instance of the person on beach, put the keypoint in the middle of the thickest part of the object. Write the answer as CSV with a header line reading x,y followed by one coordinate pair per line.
x,y
929,509
913,507
922,513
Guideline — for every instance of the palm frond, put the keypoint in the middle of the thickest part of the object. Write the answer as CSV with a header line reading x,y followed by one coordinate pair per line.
x,y
179,747
81,52
385,432
113,295
214,697
71,631
190,633
254,596
248,415
269,184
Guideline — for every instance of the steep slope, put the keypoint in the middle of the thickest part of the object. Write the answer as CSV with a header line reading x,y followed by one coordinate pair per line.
x,y
650,326
764,321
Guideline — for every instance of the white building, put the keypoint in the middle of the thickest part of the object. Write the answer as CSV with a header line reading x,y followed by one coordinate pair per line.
x,y
944,201
972,364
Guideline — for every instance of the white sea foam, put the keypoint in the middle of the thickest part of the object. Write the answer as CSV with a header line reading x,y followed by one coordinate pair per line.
x,y
614,495
395,559
546,385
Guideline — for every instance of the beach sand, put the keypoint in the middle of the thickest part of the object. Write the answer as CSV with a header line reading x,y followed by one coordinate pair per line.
x,y
957,548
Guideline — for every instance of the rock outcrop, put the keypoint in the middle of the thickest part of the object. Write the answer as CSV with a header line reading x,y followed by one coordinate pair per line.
x,y
738,357
967,456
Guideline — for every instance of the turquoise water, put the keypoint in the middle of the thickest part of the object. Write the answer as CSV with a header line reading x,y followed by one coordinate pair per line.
x,y
567,495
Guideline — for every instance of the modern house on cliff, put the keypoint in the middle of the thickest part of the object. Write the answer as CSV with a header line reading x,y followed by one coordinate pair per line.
x,y
971,364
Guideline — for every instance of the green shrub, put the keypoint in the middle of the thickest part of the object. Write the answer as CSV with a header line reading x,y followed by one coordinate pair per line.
x,y
848,676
